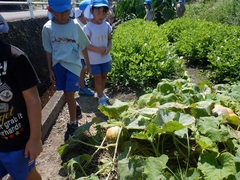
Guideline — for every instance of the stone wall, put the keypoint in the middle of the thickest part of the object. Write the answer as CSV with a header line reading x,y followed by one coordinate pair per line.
x,y
26,35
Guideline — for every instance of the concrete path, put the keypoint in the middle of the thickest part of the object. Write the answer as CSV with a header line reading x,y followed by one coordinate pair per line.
x,y
23,15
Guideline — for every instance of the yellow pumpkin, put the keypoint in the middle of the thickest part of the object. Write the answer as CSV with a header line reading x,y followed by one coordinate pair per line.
x,y
112,133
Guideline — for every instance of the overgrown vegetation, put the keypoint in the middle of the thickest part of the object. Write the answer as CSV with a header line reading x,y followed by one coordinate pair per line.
x,y
217,11
170,133
211,46
164,10
175,130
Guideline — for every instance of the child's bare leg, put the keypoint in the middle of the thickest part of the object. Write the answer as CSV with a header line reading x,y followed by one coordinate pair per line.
x,y
104,79
98,85
82,76
34,175
70,100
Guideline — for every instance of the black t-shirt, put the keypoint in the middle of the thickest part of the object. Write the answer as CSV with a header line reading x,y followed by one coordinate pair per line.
x,y
16,75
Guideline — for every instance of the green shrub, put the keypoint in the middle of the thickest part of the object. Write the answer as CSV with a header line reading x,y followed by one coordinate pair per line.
x,y
125,9
218,11
211,46
142,55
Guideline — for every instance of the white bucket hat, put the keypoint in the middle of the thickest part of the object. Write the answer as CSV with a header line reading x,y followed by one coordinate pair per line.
x,y
3,25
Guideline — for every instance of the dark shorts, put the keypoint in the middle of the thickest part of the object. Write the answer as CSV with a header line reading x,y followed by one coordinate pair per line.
x,y
15,164
101,68
65,79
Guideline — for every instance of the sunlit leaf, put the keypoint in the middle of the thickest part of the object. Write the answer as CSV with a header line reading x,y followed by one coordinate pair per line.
x,y
203,108
210,127
154,167
131,168
207,143
215,166
115,110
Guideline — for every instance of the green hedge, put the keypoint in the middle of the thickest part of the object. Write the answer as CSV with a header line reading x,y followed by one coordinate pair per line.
x,y
142,55
212,46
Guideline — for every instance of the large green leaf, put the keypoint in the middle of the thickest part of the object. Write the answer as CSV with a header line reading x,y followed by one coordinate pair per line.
x,y
154,167
148,100
210,127
164,116
131,168
165,88
202,108
207,144
115,110
72,167
215,166
193,173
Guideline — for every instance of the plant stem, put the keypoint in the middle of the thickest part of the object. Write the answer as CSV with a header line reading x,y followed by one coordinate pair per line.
x,y
86,164
115,152
99,147
178,149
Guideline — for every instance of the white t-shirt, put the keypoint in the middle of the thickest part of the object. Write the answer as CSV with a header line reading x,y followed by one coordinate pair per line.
x,y
98,34
64,42
149,14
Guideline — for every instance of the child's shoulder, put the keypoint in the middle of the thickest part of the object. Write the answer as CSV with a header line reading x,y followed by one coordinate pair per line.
x,y
48,23
75,21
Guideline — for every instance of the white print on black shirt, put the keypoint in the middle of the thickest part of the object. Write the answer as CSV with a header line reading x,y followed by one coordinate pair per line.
x,y
3,70
12,127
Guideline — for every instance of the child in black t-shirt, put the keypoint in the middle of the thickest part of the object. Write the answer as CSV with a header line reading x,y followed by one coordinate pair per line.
x,y
20,113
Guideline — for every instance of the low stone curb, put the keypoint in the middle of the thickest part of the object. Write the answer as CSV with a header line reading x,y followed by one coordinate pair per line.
x,y
50,112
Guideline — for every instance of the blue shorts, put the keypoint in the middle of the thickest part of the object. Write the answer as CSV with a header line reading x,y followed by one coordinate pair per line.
x,y
65,79
101,68
15,164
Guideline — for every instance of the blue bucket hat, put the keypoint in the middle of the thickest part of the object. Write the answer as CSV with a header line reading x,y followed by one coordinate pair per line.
x,y
100,3
60,5
181,1
84,4
147,2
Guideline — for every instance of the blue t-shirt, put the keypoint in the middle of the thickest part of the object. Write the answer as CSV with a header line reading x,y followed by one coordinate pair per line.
x,y
64,42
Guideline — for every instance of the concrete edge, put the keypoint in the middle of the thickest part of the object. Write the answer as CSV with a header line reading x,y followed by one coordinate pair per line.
x,y
50,112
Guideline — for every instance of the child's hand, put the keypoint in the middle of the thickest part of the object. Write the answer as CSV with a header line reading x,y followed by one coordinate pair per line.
x,y
88,70
33,149
102,50
52,77
107,50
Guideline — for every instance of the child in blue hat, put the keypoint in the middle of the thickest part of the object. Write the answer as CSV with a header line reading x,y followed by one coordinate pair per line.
x,y
150,15
20,112
180,9
63,40
82,20
98,30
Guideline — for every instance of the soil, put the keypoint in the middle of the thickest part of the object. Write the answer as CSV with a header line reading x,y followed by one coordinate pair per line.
x,y
49,162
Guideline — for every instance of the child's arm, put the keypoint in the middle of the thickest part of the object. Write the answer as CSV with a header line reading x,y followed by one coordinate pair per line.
x,y
109,43
50,71
86,58
33,103
99,50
